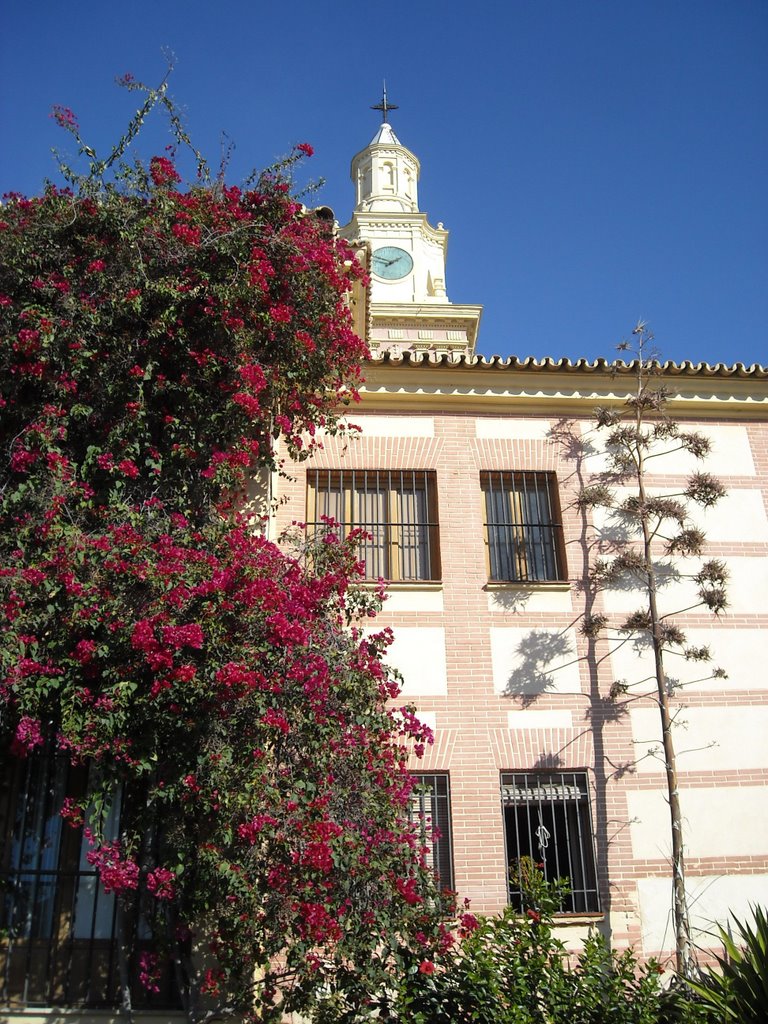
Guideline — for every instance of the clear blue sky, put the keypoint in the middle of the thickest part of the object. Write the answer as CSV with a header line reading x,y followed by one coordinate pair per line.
x,y
596,161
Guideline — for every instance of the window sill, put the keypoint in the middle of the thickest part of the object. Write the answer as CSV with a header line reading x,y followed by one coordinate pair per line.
x,y
574,920
557,586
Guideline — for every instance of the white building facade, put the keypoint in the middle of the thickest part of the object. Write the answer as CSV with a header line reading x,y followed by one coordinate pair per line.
x,y
466,475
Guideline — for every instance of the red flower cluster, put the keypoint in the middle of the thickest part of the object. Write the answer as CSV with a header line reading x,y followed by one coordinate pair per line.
x,y
190,635
467,924
149,971
118,874
409,890
160,883
64,117
28,736
163,172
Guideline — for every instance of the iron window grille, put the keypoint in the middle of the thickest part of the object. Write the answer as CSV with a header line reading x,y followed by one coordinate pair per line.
x,y
395,509
58,928
523,527
548,822
431,808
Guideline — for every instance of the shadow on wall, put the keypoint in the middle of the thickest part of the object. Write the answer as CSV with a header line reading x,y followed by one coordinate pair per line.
x,y
667,575
538,657
582,457
512,600
550,761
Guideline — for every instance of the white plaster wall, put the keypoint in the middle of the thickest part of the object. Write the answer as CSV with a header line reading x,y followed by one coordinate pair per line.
x,y
731,454
534,661
572,935
747,588
518,598
740,652
711,899
395,426
532,719
737,517
418,653
728,821
415,600
706,739
506,428
429,718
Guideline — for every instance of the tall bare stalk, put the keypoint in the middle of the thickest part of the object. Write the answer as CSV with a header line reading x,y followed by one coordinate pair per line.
x,y
658,526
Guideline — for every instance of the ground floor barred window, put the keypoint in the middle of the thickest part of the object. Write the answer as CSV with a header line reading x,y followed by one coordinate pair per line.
x,y
58,929
547,821
431,806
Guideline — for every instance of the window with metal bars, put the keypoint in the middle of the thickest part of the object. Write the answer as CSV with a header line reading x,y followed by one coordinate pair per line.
x,y
431,807
547,820
395,509
58,928
523,527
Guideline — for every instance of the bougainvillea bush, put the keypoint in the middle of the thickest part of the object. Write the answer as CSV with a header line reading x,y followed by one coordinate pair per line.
x,y
156,341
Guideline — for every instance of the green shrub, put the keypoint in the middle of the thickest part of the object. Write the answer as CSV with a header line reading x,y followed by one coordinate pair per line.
x,y
496,974
511,969
606,987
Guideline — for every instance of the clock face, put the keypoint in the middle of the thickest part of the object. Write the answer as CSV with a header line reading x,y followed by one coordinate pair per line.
x,y
391,263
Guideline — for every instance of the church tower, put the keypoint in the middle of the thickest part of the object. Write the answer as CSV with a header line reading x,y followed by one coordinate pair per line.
x,y
409,306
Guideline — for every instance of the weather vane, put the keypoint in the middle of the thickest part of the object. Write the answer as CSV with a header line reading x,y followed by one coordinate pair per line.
x,y
384,107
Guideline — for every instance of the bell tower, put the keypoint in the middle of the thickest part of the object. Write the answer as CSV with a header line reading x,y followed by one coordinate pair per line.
x,y
409,304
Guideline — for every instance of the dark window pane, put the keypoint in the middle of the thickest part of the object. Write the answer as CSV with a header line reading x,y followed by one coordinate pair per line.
x,y
57,926
547,821
431,806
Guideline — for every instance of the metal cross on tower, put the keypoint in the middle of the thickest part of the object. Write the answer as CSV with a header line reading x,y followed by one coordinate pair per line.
x,y
384,107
